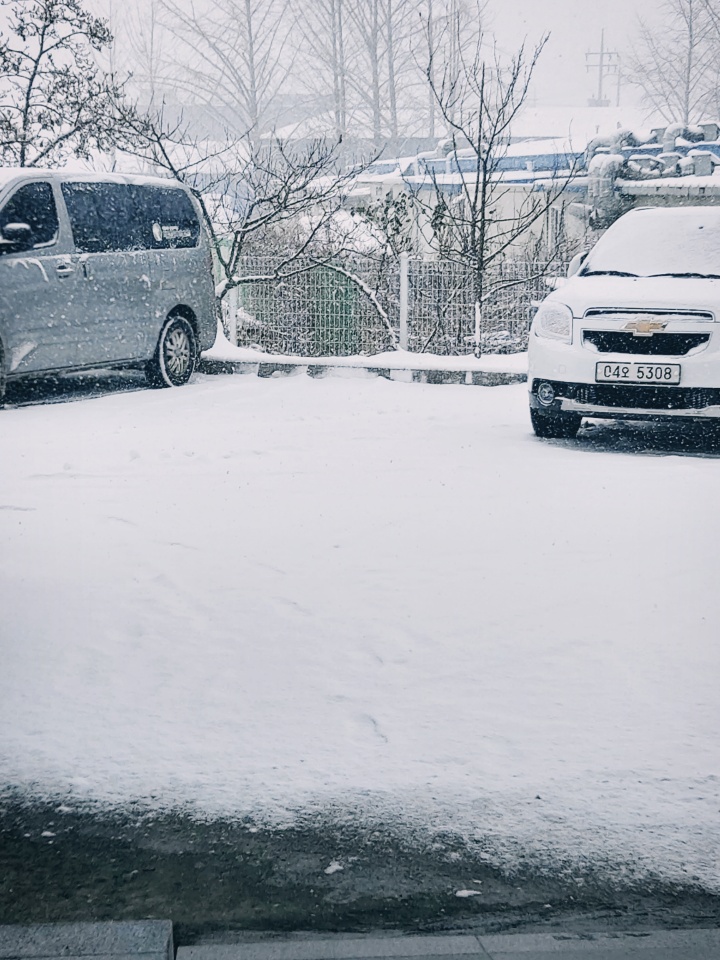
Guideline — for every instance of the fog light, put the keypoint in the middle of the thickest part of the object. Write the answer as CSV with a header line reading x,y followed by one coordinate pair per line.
x,y
545,394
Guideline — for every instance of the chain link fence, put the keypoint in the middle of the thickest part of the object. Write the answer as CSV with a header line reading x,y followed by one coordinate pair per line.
x,y
330,310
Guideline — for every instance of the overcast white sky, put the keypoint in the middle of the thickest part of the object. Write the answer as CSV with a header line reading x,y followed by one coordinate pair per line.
x,y
574,27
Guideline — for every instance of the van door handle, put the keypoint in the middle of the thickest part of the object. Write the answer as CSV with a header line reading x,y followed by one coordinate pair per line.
x,y
64,269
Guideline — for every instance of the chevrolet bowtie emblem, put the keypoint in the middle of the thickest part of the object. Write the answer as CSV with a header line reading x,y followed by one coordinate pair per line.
x,y
645,328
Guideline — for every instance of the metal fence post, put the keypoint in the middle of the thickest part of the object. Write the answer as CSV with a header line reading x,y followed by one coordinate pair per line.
x,y
404,270
233,301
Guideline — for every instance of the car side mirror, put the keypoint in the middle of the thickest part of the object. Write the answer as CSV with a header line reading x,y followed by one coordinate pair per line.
x,y
18,234
577,261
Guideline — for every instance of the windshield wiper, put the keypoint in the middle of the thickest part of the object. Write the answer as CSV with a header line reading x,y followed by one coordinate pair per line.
x,y
607,273
700,276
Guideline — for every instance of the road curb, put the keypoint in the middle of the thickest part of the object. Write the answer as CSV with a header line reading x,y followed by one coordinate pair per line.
x,y
477,378
153,940
110,940
701,944
340,948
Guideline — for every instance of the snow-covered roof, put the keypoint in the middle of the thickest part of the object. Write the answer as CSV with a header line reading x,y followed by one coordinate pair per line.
x,y
577,125
386,168
534,148
9,174
320,125
672,186
506,176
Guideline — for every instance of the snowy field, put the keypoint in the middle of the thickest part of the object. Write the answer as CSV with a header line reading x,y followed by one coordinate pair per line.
x,y
347,597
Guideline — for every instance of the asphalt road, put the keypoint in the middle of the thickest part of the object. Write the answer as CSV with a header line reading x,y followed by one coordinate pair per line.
x,y
213,878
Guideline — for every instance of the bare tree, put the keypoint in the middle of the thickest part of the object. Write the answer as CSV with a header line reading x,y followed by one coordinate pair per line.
x,y
254,197
383,78
712,11
479,100
453,30
55,100
675,64
367,83
362,54
235,56
402,29
326,56
146,39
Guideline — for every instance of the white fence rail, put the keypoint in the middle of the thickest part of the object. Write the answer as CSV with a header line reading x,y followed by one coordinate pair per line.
x,y
430,307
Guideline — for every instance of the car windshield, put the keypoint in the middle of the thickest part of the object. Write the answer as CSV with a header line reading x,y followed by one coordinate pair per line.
x,y
650,243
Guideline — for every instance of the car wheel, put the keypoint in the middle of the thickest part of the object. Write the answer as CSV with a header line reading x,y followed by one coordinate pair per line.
x,y
555,426
175,357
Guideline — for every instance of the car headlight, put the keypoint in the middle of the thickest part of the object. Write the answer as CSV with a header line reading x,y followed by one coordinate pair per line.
x,y
554,320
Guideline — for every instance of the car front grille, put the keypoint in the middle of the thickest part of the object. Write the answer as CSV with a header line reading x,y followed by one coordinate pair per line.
x,y
635,397
657,345
644,398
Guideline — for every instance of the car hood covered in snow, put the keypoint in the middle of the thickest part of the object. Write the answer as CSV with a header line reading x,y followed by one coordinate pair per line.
x,y
639,293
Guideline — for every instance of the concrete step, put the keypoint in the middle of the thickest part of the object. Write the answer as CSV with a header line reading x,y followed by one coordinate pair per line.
x,y
113,940
478,378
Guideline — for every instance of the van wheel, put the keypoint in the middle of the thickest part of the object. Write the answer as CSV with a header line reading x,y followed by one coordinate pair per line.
x,y
175,357
555,426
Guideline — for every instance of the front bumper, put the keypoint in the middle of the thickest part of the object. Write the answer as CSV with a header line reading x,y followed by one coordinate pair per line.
x,y
571,369
629,401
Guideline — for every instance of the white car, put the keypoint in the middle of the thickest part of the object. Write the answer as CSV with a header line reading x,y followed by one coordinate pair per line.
x,y
634,333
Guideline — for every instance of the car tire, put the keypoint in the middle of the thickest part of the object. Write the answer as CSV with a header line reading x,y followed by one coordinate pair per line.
x,y
175,356
555,426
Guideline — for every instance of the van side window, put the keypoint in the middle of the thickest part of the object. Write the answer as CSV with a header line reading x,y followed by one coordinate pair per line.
x,y
109,217
33,204
102,216
170,216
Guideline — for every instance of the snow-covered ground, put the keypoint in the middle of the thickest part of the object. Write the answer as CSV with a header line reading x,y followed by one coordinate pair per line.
x,y
354,597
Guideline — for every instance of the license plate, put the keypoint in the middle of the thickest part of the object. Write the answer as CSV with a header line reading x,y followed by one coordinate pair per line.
x,y
660,373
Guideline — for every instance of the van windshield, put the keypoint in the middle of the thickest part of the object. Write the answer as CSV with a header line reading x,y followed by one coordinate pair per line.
x,y
655,243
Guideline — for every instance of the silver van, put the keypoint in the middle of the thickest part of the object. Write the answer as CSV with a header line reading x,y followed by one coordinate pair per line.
x,y
102,270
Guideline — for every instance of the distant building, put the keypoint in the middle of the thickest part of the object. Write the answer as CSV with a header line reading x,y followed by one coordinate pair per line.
x,y
590,182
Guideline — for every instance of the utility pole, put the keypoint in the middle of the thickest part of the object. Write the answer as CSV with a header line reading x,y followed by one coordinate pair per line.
x,y
607,63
